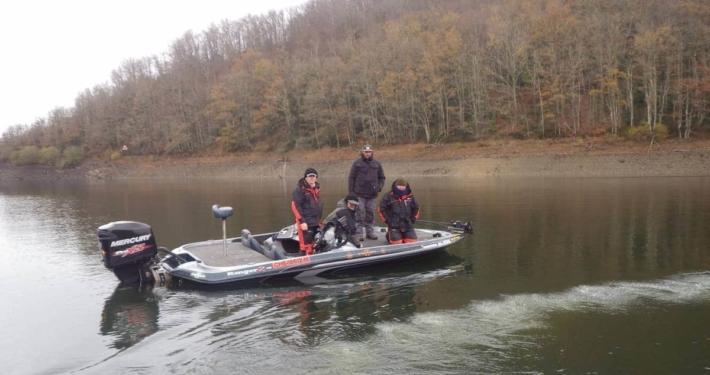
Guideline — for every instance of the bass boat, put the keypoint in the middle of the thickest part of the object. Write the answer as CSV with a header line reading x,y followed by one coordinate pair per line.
x,y
130,250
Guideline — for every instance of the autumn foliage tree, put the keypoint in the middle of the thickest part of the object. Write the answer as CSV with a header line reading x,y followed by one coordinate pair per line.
x,y
332,73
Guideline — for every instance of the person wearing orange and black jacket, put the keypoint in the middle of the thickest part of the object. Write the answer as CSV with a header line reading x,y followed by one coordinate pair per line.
x,y
307,209
399,210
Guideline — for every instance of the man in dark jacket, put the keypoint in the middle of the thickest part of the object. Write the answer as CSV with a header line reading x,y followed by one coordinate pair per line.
x,y
365,181
399,210
307,209
341,226
346,227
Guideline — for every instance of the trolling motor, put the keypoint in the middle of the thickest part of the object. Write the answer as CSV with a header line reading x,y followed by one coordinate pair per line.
x,y
453,225
464,226
223,213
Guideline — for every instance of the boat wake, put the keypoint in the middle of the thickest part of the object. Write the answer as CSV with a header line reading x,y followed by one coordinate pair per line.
x,y
356,326
489,333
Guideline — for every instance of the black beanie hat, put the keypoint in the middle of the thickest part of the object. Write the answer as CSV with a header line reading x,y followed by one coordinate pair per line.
x,y
351,198
309,171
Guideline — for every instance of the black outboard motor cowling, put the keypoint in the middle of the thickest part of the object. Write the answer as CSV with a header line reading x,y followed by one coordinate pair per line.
x,y
128,249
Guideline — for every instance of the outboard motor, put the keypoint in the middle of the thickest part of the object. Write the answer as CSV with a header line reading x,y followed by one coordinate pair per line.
x,y
128,249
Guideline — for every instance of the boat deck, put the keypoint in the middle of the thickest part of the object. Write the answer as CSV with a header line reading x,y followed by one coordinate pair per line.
x,y
212,253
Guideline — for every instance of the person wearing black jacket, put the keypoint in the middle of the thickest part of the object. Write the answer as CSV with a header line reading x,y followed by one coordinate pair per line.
x,y
346,226
365,181
399,210
307,208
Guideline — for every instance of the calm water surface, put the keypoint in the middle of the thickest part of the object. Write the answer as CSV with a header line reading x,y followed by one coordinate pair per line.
x,y
561,276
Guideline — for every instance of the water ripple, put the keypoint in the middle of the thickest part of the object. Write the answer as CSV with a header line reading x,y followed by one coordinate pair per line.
x,y
490,333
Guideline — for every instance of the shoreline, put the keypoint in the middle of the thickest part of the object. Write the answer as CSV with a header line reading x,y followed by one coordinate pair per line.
x,y
587,158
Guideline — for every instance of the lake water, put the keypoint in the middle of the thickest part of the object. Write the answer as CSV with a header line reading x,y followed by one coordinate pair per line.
x,y
561,276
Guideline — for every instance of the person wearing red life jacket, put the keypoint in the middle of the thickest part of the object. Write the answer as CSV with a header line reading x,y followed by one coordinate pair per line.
x,y
307,209
399,210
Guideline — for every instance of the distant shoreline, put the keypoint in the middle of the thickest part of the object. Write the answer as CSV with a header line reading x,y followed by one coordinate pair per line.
x,y
587,158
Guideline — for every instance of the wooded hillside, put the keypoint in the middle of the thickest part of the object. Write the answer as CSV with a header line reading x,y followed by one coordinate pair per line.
x,y
339,72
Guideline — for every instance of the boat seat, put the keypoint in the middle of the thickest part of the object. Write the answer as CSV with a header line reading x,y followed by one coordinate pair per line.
x,y
222,212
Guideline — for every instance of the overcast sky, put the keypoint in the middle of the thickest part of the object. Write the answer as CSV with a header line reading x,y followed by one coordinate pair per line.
x,y
53,50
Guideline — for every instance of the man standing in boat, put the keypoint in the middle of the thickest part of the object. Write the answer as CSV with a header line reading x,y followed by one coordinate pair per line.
x,y
307,209
365,181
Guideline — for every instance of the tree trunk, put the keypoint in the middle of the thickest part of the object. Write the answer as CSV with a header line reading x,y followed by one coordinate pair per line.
x,y
630,94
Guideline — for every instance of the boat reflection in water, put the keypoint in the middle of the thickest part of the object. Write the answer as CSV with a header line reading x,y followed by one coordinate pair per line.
x,y
130,315
356,300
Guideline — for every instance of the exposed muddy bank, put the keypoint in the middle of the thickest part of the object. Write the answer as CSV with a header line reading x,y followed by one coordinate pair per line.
x,y
676,164
536,159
